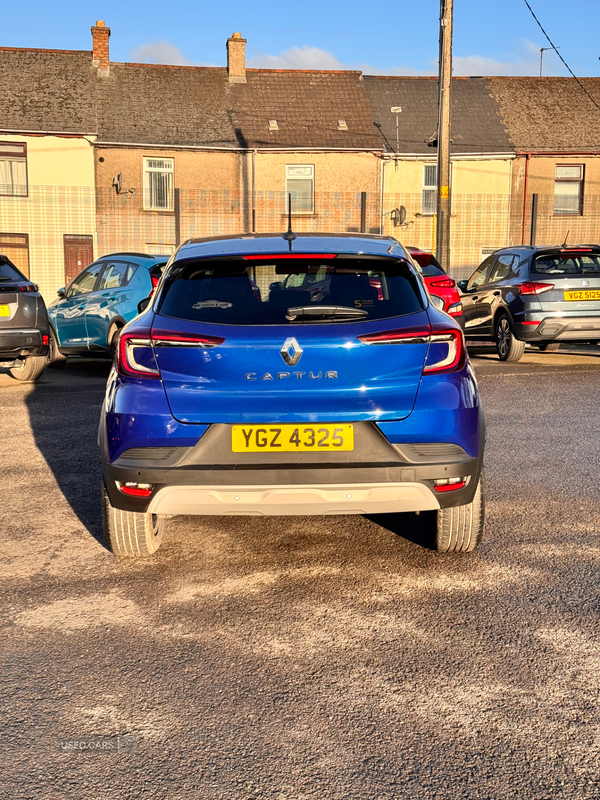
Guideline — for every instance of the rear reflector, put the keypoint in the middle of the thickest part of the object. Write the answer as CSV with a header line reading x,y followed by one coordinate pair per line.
x,y
535,288
528,322
45,339
136,489
277,256
450,484
443,283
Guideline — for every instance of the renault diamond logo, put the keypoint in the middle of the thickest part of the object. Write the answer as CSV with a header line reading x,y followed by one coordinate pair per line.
x,y
291,352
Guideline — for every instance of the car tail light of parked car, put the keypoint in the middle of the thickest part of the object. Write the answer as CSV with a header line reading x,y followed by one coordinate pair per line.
x,y
528,287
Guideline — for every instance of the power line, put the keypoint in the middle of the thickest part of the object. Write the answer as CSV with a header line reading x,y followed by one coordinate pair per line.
x,y
583,89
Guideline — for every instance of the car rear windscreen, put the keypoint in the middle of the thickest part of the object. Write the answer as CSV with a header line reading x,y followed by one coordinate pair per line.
x,y
566,264
428,263
244,292
10,273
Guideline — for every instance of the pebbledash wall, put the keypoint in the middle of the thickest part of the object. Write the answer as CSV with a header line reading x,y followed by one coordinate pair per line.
x,y
481,207
59,202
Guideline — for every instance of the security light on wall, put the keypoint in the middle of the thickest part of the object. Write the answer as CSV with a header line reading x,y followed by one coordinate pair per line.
x,y
118,183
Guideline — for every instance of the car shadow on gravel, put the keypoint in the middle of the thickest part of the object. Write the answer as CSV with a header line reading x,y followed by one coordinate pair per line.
x,y
416,528
64,411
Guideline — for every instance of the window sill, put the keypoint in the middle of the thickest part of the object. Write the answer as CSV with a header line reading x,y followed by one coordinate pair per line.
x,y
568,215
300,215
169,211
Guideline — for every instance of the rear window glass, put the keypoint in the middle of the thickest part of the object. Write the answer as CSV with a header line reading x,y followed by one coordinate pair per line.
x,y
428,263
566,264
10,273
240,292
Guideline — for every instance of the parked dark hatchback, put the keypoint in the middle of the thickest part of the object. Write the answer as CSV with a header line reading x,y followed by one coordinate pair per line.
x,y
536,295
24,330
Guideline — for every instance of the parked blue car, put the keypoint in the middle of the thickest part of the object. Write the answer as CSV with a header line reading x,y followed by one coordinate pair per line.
x,y
89,313
236,392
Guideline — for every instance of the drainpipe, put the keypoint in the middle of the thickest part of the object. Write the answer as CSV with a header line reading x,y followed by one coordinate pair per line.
x,y
527,157
253,192
381,228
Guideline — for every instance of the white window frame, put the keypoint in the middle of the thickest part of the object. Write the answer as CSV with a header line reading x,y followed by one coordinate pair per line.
x,y
562,181
170,171
11,153
310,177
429,192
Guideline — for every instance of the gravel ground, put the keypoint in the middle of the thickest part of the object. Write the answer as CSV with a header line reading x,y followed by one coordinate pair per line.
x,y
292,658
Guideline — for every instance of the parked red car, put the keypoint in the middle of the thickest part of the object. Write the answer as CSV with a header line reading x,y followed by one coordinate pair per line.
x,y
438,282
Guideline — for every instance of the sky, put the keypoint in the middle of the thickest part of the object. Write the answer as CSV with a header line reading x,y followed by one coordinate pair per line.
x,y
396,38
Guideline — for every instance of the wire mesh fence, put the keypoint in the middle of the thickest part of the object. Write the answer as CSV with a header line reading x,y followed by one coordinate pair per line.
x,y
49,217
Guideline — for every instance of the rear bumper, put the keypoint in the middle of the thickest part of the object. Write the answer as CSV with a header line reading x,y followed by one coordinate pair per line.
x,y
378,477
18,343
560,329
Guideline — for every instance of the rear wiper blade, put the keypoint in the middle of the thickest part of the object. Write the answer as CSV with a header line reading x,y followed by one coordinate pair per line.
x,y
326,312
6,278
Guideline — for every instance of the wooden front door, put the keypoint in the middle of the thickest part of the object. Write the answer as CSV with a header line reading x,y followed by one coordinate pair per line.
x,y
79,252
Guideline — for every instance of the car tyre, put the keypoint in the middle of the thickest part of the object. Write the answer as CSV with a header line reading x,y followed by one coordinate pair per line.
x,y
509,348
56,360
549,347
459,529
30,370
113,339
130,533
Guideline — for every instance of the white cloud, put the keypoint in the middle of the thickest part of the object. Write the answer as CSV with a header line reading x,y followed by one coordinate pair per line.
x,y
525,63
160,52
297,58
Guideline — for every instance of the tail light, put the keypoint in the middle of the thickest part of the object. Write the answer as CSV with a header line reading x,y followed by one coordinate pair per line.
x,y
397,337
136,356
443,283
30,287
154,279
136,349
456,310
446,352
535,288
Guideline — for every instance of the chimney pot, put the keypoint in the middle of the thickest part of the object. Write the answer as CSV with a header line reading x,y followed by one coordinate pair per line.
x,y
100,55
236,58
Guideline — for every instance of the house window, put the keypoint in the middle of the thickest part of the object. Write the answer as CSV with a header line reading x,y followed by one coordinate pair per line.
x,y
13,169
568,189
15,246
428,198
300,184
158,184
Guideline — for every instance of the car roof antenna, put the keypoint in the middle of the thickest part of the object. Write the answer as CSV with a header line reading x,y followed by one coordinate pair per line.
x,y
564,244
289,235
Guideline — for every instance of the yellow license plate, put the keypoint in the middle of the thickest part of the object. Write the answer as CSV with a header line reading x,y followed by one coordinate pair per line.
x,y
291,438
4,311
584,294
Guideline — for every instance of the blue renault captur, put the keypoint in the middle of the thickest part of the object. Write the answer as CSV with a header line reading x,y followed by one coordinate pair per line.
x,y
240,392
88,314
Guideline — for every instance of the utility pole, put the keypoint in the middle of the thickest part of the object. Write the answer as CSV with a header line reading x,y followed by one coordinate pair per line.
x,y
442,247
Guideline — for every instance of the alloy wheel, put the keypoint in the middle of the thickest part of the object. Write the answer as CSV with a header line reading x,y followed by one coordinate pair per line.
x,y
503,337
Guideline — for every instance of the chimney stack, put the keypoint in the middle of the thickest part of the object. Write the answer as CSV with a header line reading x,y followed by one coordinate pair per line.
x,y
236,58
100,35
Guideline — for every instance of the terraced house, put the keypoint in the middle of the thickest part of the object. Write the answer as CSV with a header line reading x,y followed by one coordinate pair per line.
x,y
98,156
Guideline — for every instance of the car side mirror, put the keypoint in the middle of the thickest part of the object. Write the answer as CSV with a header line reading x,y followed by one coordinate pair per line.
x,y
462,285
143,304
275,287
61,292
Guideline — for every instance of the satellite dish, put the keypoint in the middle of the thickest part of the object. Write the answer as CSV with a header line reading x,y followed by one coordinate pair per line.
x,y
398,216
